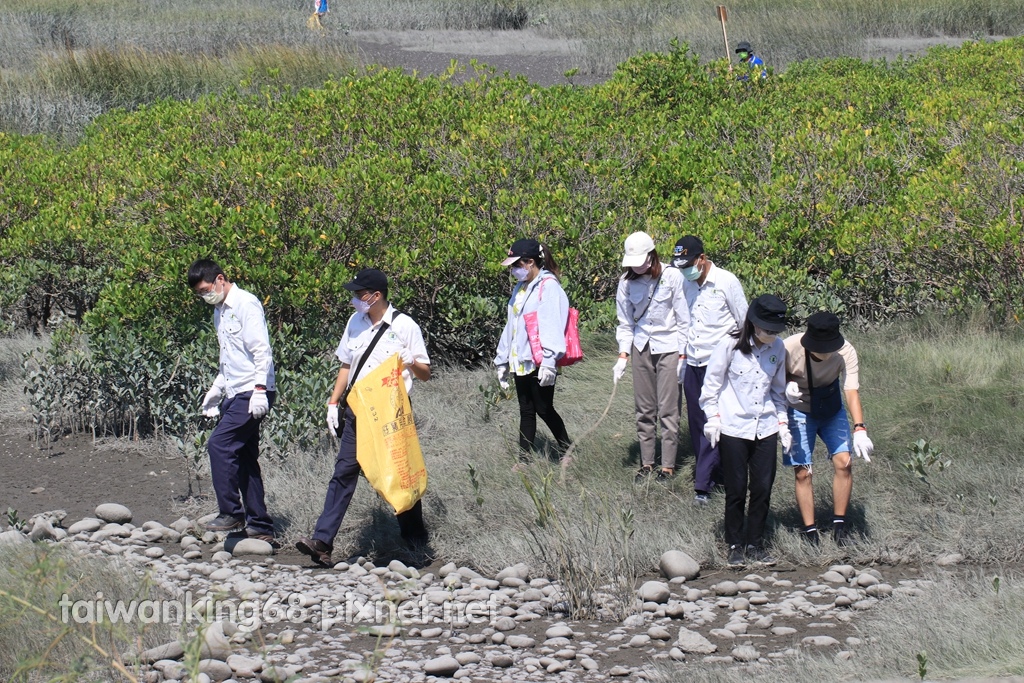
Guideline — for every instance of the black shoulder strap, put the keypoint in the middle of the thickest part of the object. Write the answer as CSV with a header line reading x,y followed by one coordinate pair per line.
x,y
636,318
810,378
362,360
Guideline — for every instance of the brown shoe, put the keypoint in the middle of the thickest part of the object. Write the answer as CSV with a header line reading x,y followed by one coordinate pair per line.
x,y
263,536
318,550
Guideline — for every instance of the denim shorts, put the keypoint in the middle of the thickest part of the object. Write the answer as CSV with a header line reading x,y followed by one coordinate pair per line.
x,y
835,432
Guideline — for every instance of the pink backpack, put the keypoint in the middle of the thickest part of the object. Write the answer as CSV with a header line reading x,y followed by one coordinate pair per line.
x,y
573,350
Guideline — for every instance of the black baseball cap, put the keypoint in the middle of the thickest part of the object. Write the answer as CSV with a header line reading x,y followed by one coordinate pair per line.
x,y
687,249
370,279
524,248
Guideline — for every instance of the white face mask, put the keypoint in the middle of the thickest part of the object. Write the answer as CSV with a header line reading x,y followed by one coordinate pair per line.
x,y
520,273
764,336
641,269
360,305
213,297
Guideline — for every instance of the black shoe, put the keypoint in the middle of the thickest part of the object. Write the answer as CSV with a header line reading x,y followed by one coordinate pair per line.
x,y
701,499
318,550
665,474
811,535
643,473
759,556
736,558
225,523
840,535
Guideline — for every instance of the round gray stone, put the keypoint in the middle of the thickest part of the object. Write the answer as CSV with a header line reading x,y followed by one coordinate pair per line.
x,y
113,512
676,564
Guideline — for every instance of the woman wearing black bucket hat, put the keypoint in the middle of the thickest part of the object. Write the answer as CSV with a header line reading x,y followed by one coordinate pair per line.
x,y
745,403
816,360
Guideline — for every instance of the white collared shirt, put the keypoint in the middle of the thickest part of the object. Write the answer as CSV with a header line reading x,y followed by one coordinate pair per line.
x,y
666,319
717,308
403,333
748,392
245,356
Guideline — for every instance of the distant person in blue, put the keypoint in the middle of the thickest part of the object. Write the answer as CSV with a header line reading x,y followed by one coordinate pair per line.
x,y
320,8
749,59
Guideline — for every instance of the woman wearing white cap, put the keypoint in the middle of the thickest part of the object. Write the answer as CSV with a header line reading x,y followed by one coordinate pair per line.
x,y
653,322
531,361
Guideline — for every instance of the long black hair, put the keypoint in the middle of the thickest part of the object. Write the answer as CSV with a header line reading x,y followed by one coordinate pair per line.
x,y
743,336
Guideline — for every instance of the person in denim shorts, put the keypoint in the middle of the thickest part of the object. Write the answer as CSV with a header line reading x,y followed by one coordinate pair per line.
x,y
818,362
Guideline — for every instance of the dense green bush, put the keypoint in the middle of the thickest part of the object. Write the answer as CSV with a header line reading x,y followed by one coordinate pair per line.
x,y
882,190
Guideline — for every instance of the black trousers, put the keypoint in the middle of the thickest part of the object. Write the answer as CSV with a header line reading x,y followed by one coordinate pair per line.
x,y
537,401
748,465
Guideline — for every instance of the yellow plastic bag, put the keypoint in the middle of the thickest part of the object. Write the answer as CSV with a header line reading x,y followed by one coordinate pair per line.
x,y
387,447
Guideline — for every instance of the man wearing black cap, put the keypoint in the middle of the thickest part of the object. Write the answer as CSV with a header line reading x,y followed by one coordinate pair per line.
x,y
749,59
816,360
373,334
718,308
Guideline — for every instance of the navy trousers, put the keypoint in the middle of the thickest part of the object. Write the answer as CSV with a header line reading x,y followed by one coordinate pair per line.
x,y
707,467
234,463
748,465
342,486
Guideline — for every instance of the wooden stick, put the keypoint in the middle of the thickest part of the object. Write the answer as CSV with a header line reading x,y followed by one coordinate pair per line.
x,y
722,16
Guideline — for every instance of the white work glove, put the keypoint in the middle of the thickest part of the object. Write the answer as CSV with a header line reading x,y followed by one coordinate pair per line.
x,y
713,430
785,437
211,402
681,369
258,404
862,446
546,376
503,377
332,418
793,393
619,370
406,356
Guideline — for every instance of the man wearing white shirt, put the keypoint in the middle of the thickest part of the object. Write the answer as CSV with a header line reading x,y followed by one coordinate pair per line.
x,y
245,383
375,318
717,308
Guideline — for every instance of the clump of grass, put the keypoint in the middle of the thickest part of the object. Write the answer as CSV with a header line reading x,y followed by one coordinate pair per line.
x,y
36,641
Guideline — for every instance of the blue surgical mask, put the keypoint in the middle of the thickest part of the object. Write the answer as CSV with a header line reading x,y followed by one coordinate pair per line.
x,y
520,273
360,305
692,273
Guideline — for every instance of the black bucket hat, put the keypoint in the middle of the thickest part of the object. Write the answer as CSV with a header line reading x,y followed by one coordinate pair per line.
x,y
822,335
768,312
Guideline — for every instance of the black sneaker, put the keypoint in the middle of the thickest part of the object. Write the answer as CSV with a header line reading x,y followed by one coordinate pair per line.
x,y
225,523
841,536
643,473
760,556
811,535
736,558
701,499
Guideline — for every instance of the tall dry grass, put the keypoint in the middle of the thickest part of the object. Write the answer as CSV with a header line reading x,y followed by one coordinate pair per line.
x,y
61,64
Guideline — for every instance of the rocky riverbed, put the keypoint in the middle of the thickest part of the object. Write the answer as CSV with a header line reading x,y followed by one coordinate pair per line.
x,y
266,619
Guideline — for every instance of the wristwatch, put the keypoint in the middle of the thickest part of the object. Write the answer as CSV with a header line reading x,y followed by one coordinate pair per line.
x,y
861,425
261,387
